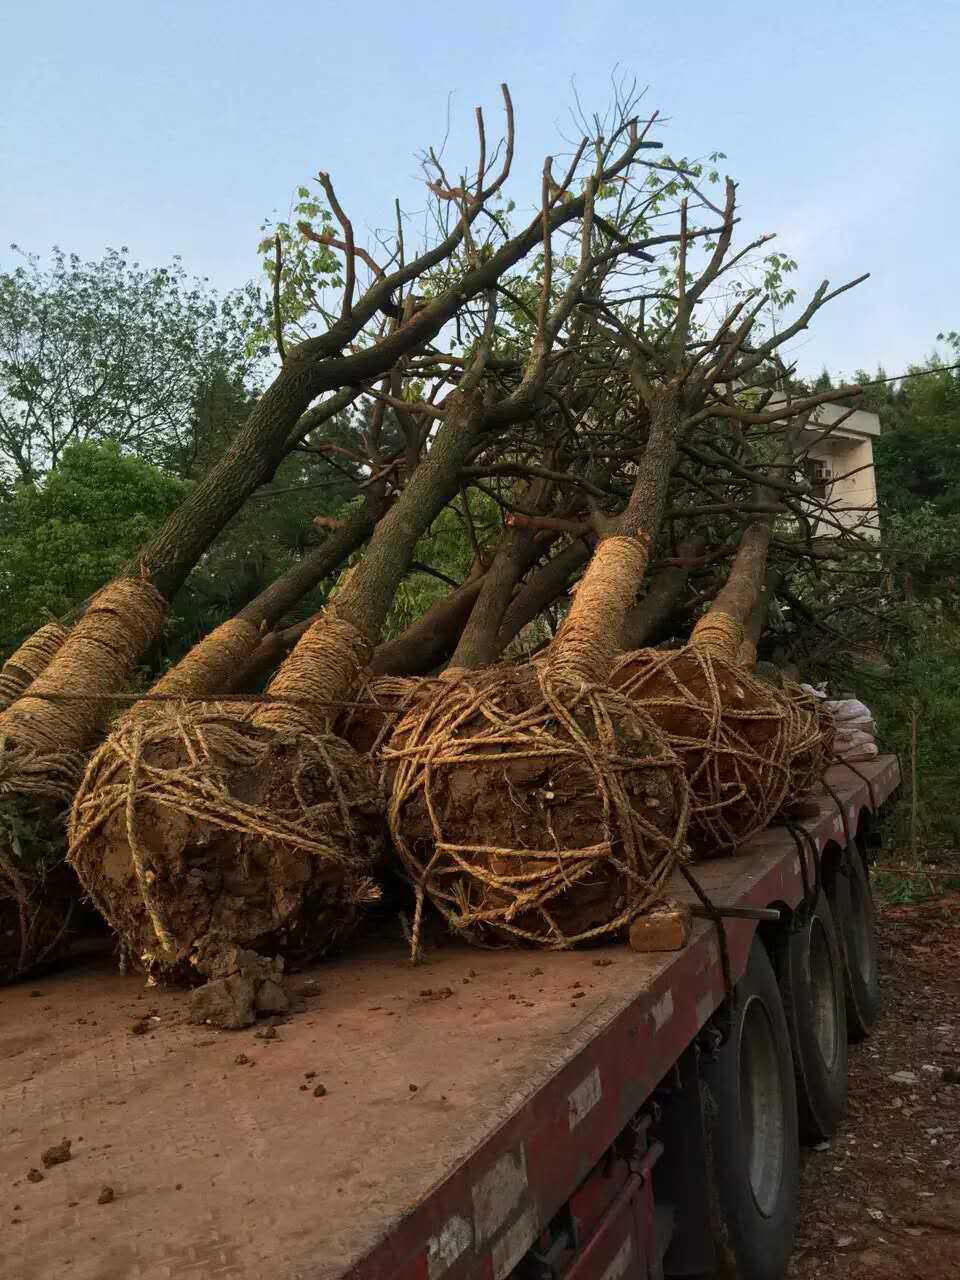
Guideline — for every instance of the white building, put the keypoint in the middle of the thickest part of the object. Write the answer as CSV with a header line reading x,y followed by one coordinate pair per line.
x,y
840,467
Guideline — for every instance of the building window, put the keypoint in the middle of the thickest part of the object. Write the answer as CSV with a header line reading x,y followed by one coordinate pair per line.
x,y
819,476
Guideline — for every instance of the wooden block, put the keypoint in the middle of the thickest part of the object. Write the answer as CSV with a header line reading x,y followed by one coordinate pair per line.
x,y
664,929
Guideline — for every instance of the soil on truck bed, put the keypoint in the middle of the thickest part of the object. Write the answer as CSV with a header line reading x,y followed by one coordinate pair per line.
x,y
881,1201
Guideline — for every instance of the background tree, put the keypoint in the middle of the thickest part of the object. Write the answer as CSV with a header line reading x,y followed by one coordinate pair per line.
x,y
112,351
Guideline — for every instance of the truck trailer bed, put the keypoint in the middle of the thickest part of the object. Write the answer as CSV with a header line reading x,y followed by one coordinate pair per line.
x,y
462,1099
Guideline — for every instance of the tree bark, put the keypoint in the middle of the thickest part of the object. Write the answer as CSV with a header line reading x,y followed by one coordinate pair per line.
x,y
586,645
542,588
428,642
645,620
747,653
270,605
366,594
479,645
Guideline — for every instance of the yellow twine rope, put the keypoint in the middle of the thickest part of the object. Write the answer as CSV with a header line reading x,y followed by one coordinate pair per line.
x,y
129,773
97,657
323,667
718,633
185,758
27,662
735,735
583,649
209,665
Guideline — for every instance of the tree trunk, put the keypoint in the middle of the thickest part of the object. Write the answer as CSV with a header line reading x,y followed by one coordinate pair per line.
x,y
645,621
479,644
542,588
587,644
747,653
365,596
429,641
271,604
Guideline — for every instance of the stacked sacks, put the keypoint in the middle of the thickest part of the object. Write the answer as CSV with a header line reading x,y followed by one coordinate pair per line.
x,y
852,726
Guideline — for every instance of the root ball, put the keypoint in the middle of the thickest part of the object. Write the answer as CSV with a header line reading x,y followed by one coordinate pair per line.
x,y
530,810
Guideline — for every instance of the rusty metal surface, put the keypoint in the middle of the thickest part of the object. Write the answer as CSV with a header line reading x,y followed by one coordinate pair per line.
x,y
452,1126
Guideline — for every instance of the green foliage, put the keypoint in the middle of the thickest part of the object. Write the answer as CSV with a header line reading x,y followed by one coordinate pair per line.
x,y
902,886
65,536
925,681
107,351
446,548
922,550
306,270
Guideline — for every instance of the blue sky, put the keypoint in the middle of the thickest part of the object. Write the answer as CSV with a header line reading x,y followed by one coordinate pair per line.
x,y
175,127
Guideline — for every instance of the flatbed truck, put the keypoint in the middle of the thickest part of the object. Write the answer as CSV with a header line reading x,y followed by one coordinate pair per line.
x,y
598,1114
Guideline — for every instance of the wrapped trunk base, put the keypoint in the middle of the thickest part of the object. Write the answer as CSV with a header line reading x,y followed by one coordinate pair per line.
x,y
29,661
42,739
197,829
528,810
735,735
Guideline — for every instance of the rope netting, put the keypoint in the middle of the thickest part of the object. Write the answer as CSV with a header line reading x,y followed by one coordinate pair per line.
x,y
380,702
27,662
735,735
530,809
252,824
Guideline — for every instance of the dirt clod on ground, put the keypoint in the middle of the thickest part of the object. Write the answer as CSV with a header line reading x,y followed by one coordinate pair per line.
x,y
881,1200
106,1196
59,1154
242,984
34,1175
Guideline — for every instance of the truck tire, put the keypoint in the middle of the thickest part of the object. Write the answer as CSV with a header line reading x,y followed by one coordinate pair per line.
x,y
853,911
751,1117
811,975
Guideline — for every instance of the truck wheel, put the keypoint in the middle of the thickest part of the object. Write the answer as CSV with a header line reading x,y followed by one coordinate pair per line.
x,y
752,1126
810,966
853,911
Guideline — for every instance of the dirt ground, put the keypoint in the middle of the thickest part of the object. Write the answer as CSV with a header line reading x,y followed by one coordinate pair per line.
x,y
882,1199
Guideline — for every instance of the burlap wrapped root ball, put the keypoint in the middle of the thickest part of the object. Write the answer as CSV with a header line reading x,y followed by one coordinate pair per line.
x,y
528,810
735,735
200,826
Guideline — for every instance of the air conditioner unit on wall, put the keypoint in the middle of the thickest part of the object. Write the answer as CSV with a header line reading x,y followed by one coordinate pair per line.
x,y
822,472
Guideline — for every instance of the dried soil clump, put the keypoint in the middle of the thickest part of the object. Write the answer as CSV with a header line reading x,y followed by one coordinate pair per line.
x,y
532,810
735,735
201,827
